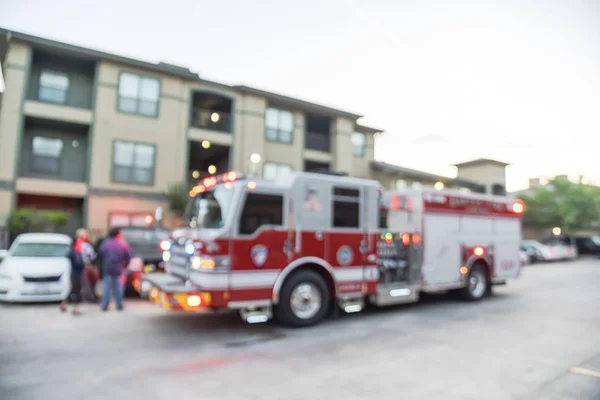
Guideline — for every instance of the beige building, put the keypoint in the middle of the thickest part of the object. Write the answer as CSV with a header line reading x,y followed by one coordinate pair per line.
x,y
102,136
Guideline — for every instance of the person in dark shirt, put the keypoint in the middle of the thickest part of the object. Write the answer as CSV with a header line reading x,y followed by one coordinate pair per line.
x,y
115,256
77,267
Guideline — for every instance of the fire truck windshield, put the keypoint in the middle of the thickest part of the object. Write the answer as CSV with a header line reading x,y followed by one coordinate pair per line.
x,y
209,209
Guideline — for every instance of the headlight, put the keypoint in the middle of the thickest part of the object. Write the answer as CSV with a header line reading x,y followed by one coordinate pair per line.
x,y
136,264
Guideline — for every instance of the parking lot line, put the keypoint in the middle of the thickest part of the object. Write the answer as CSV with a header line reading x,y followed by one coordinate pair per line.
x,y
584,371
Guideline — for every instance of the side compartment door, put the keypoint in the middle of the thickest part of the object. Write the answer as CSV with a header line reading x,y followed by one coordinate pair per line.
x,y
506,248
311,207
346,241
442,252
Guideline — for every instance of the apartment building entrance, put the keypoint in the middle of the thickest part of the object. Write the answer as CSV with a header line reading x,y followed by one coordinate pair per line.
x,y
206,158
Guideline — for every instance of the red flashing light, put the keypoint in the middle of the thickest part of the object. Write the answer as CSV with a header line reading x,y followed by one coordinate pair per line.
x,y
395,202
518,207
209,182
478,251
230,176
416,238
406,239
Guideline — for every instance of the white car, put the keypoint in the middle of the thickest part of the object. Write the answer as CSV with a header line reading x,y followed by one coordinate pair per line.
x,y
36,269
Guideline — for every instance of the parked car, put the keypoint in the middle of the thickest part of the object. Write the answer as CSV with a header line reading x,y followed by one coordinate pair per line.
x,y
539,252
36,269
588,245
524,258
562,247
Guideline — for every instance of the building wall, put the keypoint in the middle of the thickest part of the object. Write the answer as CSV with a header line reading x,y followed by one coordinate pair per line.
x,y
15,70
342,157
361,166
165,131
251,134
5,205
487,175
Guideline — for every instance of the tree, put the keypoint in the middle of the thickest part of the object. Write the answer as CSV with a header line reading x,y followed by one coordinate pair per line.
x,y
177,197
562,203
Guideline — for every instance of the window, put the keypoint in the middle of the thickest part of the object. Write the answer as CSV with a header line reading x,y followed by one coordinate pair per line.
x,y
346,205
260,210
401,184
359,144
133,163
275,171
53,86
40,250
279,125
46,154
138,94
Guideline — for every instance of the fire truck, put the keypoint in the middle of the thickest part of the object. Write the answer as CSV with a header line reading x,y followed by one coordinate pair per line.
x,y
297,248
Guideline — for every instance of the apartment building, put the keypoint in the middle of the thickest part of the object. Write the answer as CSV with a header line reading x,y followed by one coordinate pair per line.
x,y
102,136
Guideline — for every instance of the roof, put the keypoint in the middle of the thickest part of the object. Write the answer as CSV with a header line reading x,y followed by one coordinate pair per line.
x,y
481,161
43,238
296,103
84,52
175,70
426,176
367,129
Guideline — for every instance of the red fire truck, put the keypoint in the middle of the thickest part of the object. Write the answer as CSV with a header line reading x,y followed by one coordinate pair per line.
x,y
296,248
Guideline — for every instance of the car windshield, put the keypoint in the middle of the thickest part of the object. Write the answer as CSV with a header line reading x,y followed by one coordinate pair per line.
x,y
209,209
134,236
595,240
533,244
40,250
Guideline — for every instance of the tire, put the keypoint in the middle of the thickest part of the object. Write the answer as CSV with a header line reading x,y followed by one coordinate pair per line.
x,y
304,300
477,284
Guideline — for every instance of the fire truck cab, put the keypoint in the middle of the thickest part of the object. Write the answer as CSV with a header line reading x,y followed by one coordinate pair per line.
x,y
297,247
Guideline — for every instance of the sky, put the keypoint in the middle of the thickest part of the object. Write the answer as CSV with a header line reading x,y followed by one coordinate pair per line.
x,y
517,81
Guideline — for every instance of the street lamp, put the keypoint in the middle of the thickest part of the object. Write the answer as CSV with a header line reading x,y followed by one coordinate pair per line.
x,y
556,231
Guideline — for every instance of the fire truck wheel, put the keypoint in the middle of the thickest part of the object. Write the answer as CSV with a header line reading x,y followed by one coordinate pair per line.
x,y
304,299
477,284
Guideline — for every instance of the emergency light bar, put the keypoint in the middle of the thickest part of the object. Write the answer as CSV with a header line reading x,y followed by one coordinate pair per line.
x,y
214,180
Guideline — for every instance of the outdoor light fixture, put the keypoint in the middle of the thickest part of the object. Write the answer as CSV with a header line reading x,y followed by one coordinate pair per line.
x,y
206,144
196,174
556,231
255,158
212,169
214,117
439,185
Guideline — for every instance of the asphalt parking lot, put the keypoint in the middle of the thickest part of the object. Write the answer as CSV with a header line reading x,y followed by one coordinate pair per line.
x,y
536,338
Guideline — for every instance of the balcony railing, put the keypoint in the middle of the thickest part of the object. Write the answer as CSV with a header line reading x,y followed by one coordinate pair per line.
x,y
318,141
211,119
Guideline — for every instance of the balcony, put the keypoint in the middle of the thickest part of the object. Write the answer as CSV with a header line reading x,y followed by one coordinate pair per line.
x,y
212,112
61,80
318,141
318,135
211,119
